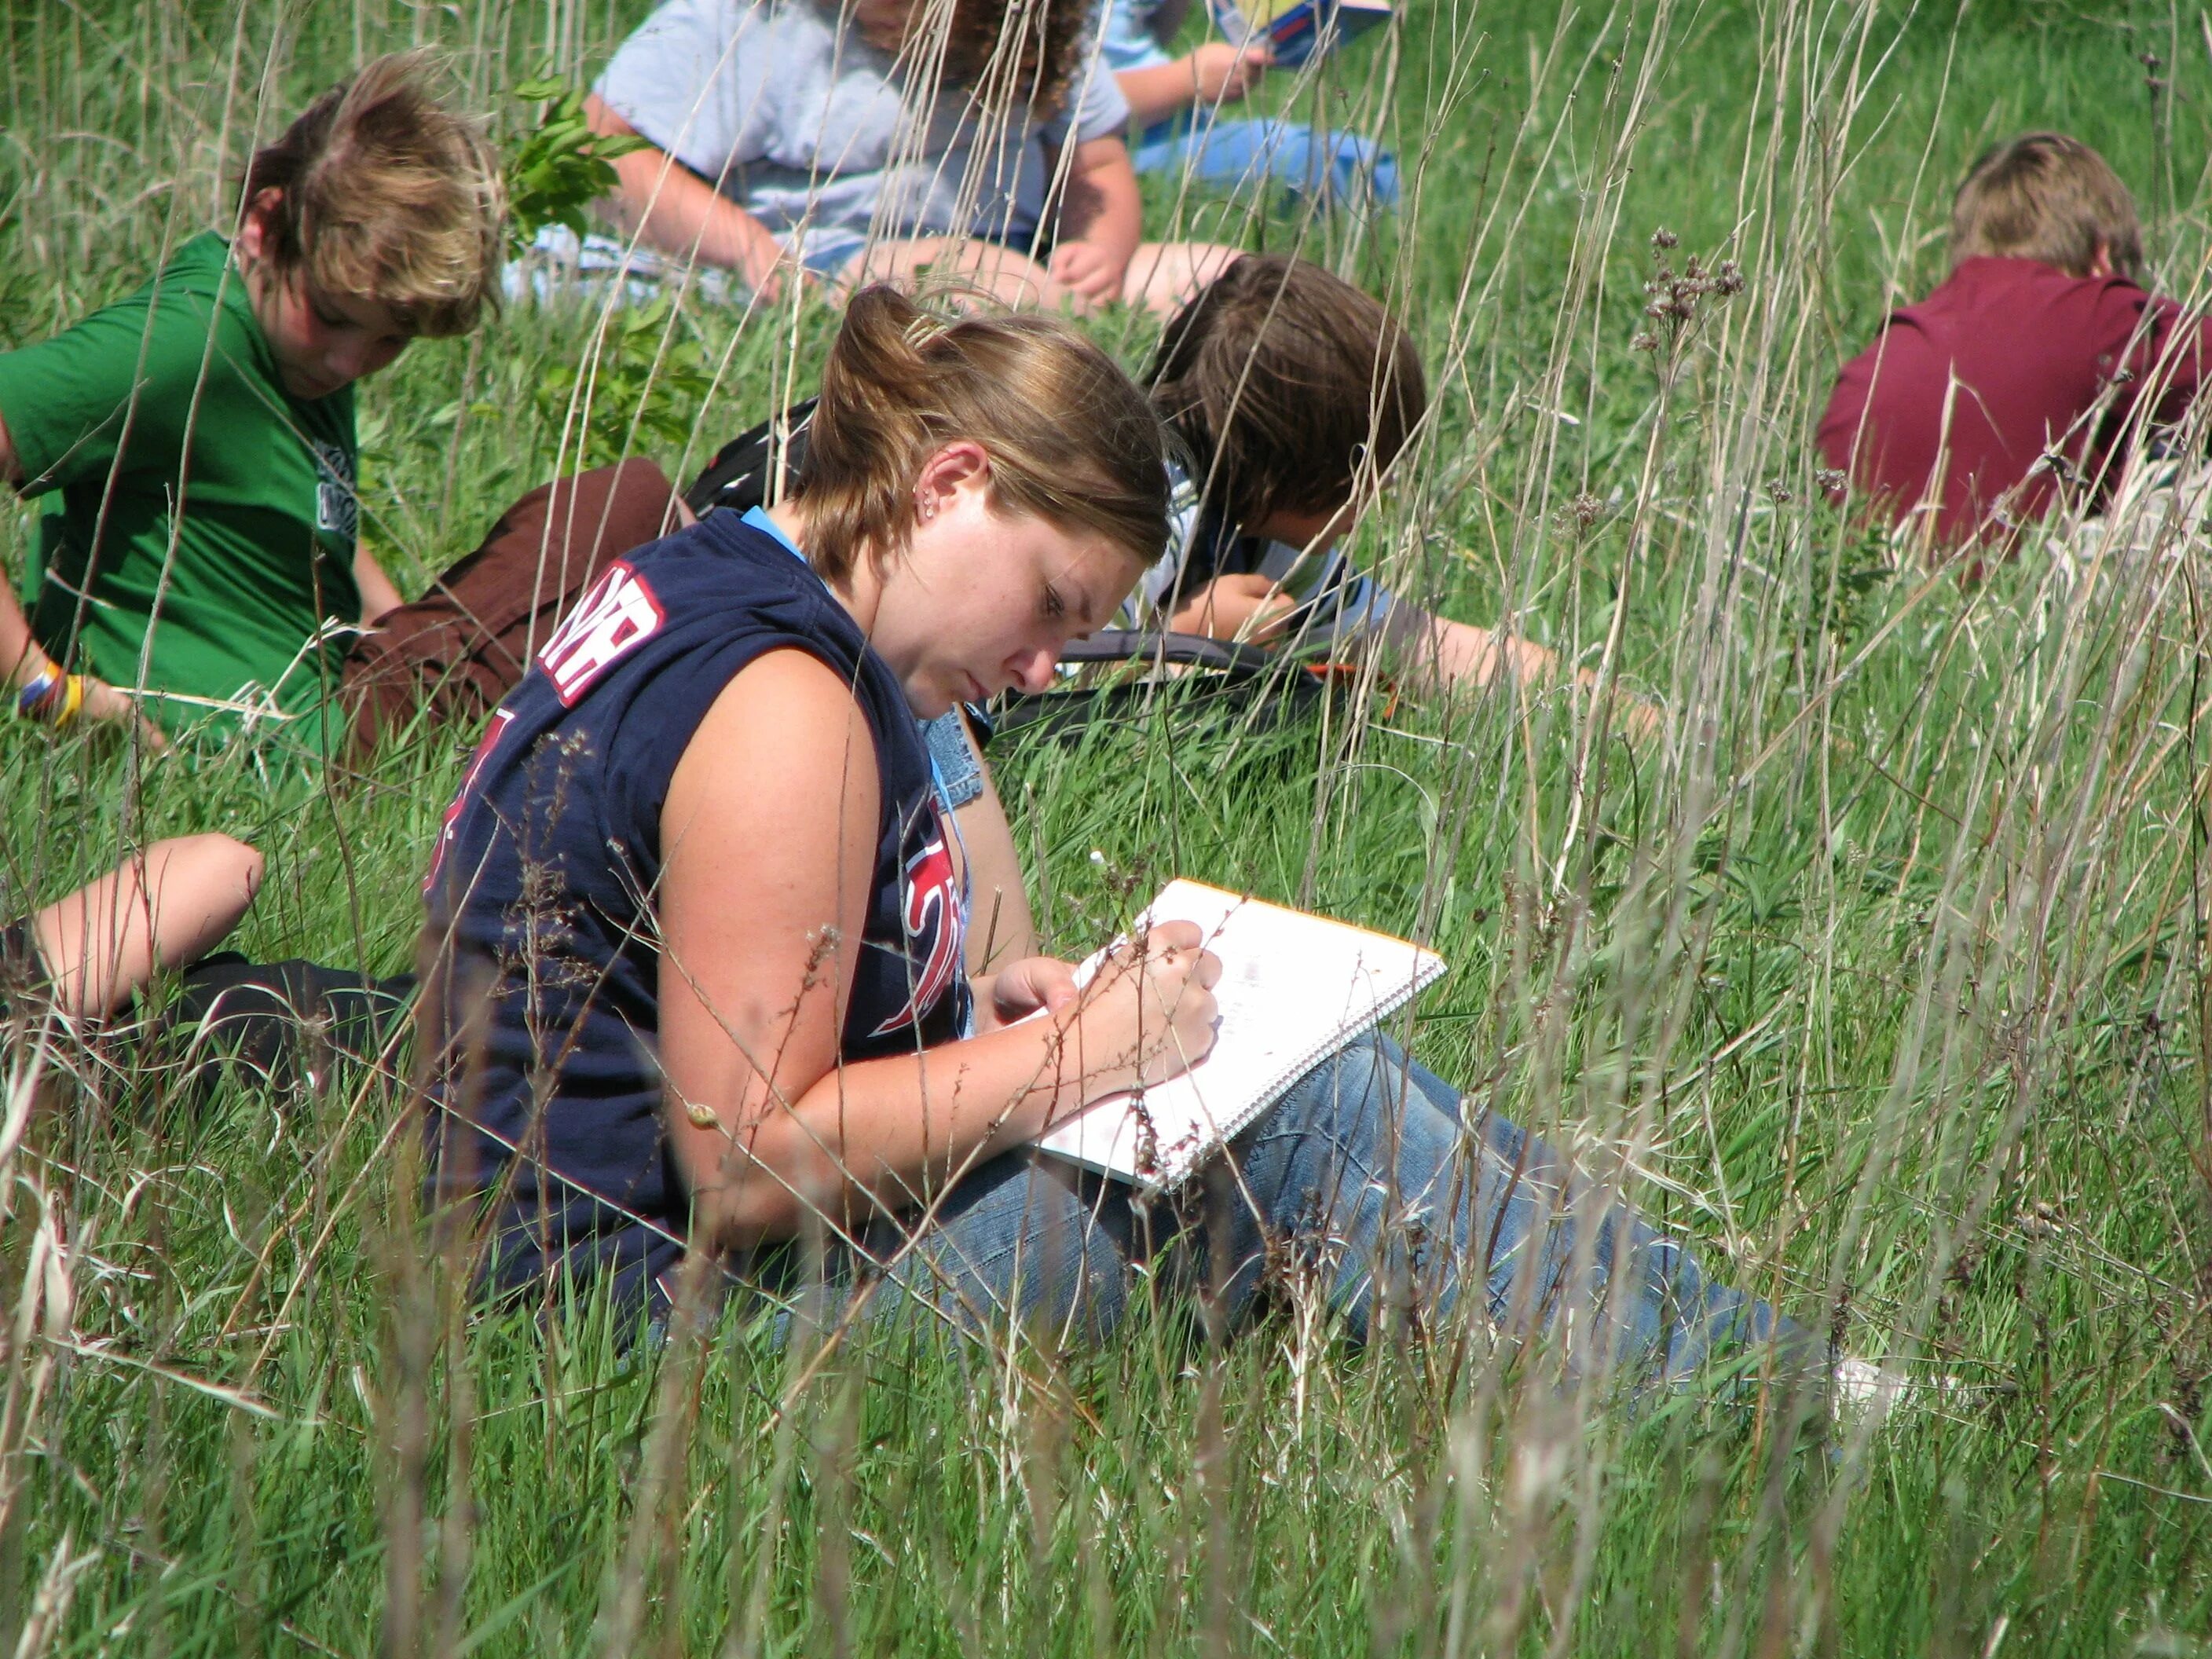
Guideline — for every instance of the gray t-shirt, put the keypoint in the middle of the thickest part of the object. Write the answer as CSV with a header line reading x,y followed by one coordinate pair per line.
x,y
806,128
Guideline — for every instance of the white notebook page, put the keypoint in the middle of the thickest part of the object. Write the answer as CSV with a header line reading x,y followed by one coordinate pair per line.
x,y
1294,989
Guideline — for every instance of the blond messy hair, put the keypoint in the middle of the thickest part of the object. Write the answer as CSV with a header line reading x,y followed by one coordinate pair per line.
x,y
1070,440
2045,197
384,193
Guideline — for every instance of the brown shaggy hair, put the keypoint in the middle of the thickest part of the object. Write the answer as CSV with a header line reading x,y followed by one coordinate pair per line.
x,y
1291,388
2045,197
384,193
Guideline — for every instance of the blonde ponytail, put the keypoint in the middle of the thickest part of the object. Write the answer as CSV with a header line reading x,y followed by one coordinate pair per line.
x,y
1071,440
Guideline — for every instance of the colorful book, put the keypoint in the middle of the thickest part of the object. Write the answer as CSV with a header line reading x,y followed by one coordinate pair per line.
x,y
1299,31
1294,989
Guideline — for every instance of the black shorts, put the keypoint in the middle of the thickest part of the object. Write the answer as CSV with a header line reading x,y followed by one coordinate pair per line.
x,y
22,972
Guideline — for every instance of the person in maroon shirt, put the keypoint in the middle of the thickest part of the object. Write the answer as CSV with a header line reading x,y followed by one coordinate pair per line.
x,y
2027,371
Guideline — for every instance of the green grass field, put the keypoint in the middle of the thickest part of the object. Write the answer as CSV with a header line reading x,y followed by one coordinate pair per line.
x,y
1882,972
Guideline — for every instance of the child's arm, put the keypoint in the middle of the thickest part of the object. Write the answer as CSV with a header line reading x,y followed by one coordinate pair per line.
x,y
676,210
1252,607
1217,73
166,909
378,595
1094,259
1463,654
1248,606
23,661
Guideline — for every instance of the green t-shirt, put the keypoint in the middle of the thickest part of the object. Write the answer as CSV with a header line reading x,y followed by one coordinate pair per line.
x,y
264,511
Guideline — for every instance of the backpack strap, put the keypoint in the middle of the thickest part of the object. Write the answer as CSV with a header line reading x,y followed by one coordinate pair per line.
x,y
738,478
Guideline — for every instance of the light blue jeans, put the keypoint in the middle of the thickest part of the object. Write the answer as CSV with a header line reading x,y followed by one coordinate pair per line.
x,y
1341,167
1363,1184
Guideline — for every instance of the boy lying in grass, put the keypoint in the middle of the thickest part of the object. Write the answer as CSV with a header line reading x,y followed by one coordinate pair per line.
x,y
2029,367
199,436
1293,394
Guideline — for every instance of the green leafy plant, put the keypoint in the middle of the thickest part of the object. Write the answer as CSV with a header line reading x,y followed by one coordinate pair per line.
x,y
562,166
643,385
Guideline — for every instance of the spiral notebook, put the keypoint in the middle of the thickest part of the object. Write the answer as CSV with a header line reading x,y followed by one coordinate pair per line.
x,y
1294,989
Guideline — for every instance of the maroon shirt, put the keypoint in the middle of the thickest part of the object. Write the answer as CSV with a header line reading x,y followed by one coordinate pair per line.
x,y
2033,349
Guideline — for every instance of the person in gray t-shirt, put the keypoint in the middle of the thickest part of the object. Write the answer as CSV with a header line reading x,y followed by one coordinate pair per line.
x,y
787,136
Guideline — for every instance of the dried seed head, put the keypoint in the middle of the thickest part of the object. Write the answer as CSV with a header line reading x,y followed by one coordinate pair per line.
x,y
1585,509
1664,238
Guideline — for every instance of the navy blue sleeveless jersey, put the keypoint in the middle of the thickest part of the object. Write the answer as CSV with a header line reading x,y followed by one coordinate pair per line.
x,y
543,1008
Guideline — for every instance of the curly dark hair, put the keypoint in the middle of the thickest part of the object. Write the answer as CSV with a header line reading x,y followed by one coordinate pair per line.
x,y
1025,52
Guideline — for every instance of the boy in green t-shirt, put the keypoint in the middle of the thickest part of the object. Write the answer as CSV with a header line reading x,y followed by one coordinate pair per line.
x,y
199,434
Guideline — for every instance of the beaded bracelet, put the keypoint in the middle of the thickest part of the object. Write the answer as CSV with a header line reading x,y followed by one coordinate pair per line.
x,y
51,695
37,689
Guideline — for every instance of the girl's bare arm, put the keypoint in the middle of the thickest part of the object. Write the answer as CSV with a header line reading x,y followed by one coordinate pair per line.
x,y
769,837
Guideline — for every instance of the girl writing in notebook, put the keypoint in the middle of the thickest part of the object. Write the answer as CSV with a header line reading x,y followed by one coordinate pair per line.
x,y
696,921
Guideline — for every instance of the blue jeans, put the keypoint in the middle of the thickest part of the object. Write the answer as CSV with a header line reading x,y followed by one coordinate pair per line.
x,y
1362,1182
1338,167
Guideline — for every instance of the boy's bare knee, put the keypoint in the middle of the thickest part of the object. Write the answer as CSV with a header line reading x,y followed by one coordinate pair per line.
x,y
999,275
210,862
1005,277
249,866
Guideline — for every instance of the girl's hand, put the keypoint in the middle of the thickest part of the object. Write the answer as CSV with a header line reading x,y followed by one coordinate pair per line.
x,y
1237,607
1095,273
1150,1014
1021,989
1222,74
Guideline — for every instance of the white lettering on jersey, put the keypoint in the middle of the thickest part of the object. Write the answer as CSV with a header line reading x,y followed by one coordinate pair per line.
x,y
617,615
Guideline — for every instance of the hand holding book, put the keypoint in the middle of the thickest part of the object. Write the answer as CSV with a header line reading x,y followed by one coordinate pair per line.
x,y
1275,993
1295,32
1146,1005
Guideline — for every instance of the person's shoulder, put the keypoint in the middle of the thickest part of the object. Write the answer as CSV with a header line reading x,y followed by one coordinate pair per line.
x,y
150,346
694,67
1988,298
183,289
722,564
699,35
198,287
2051,303
1988,280
689,21
199,265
